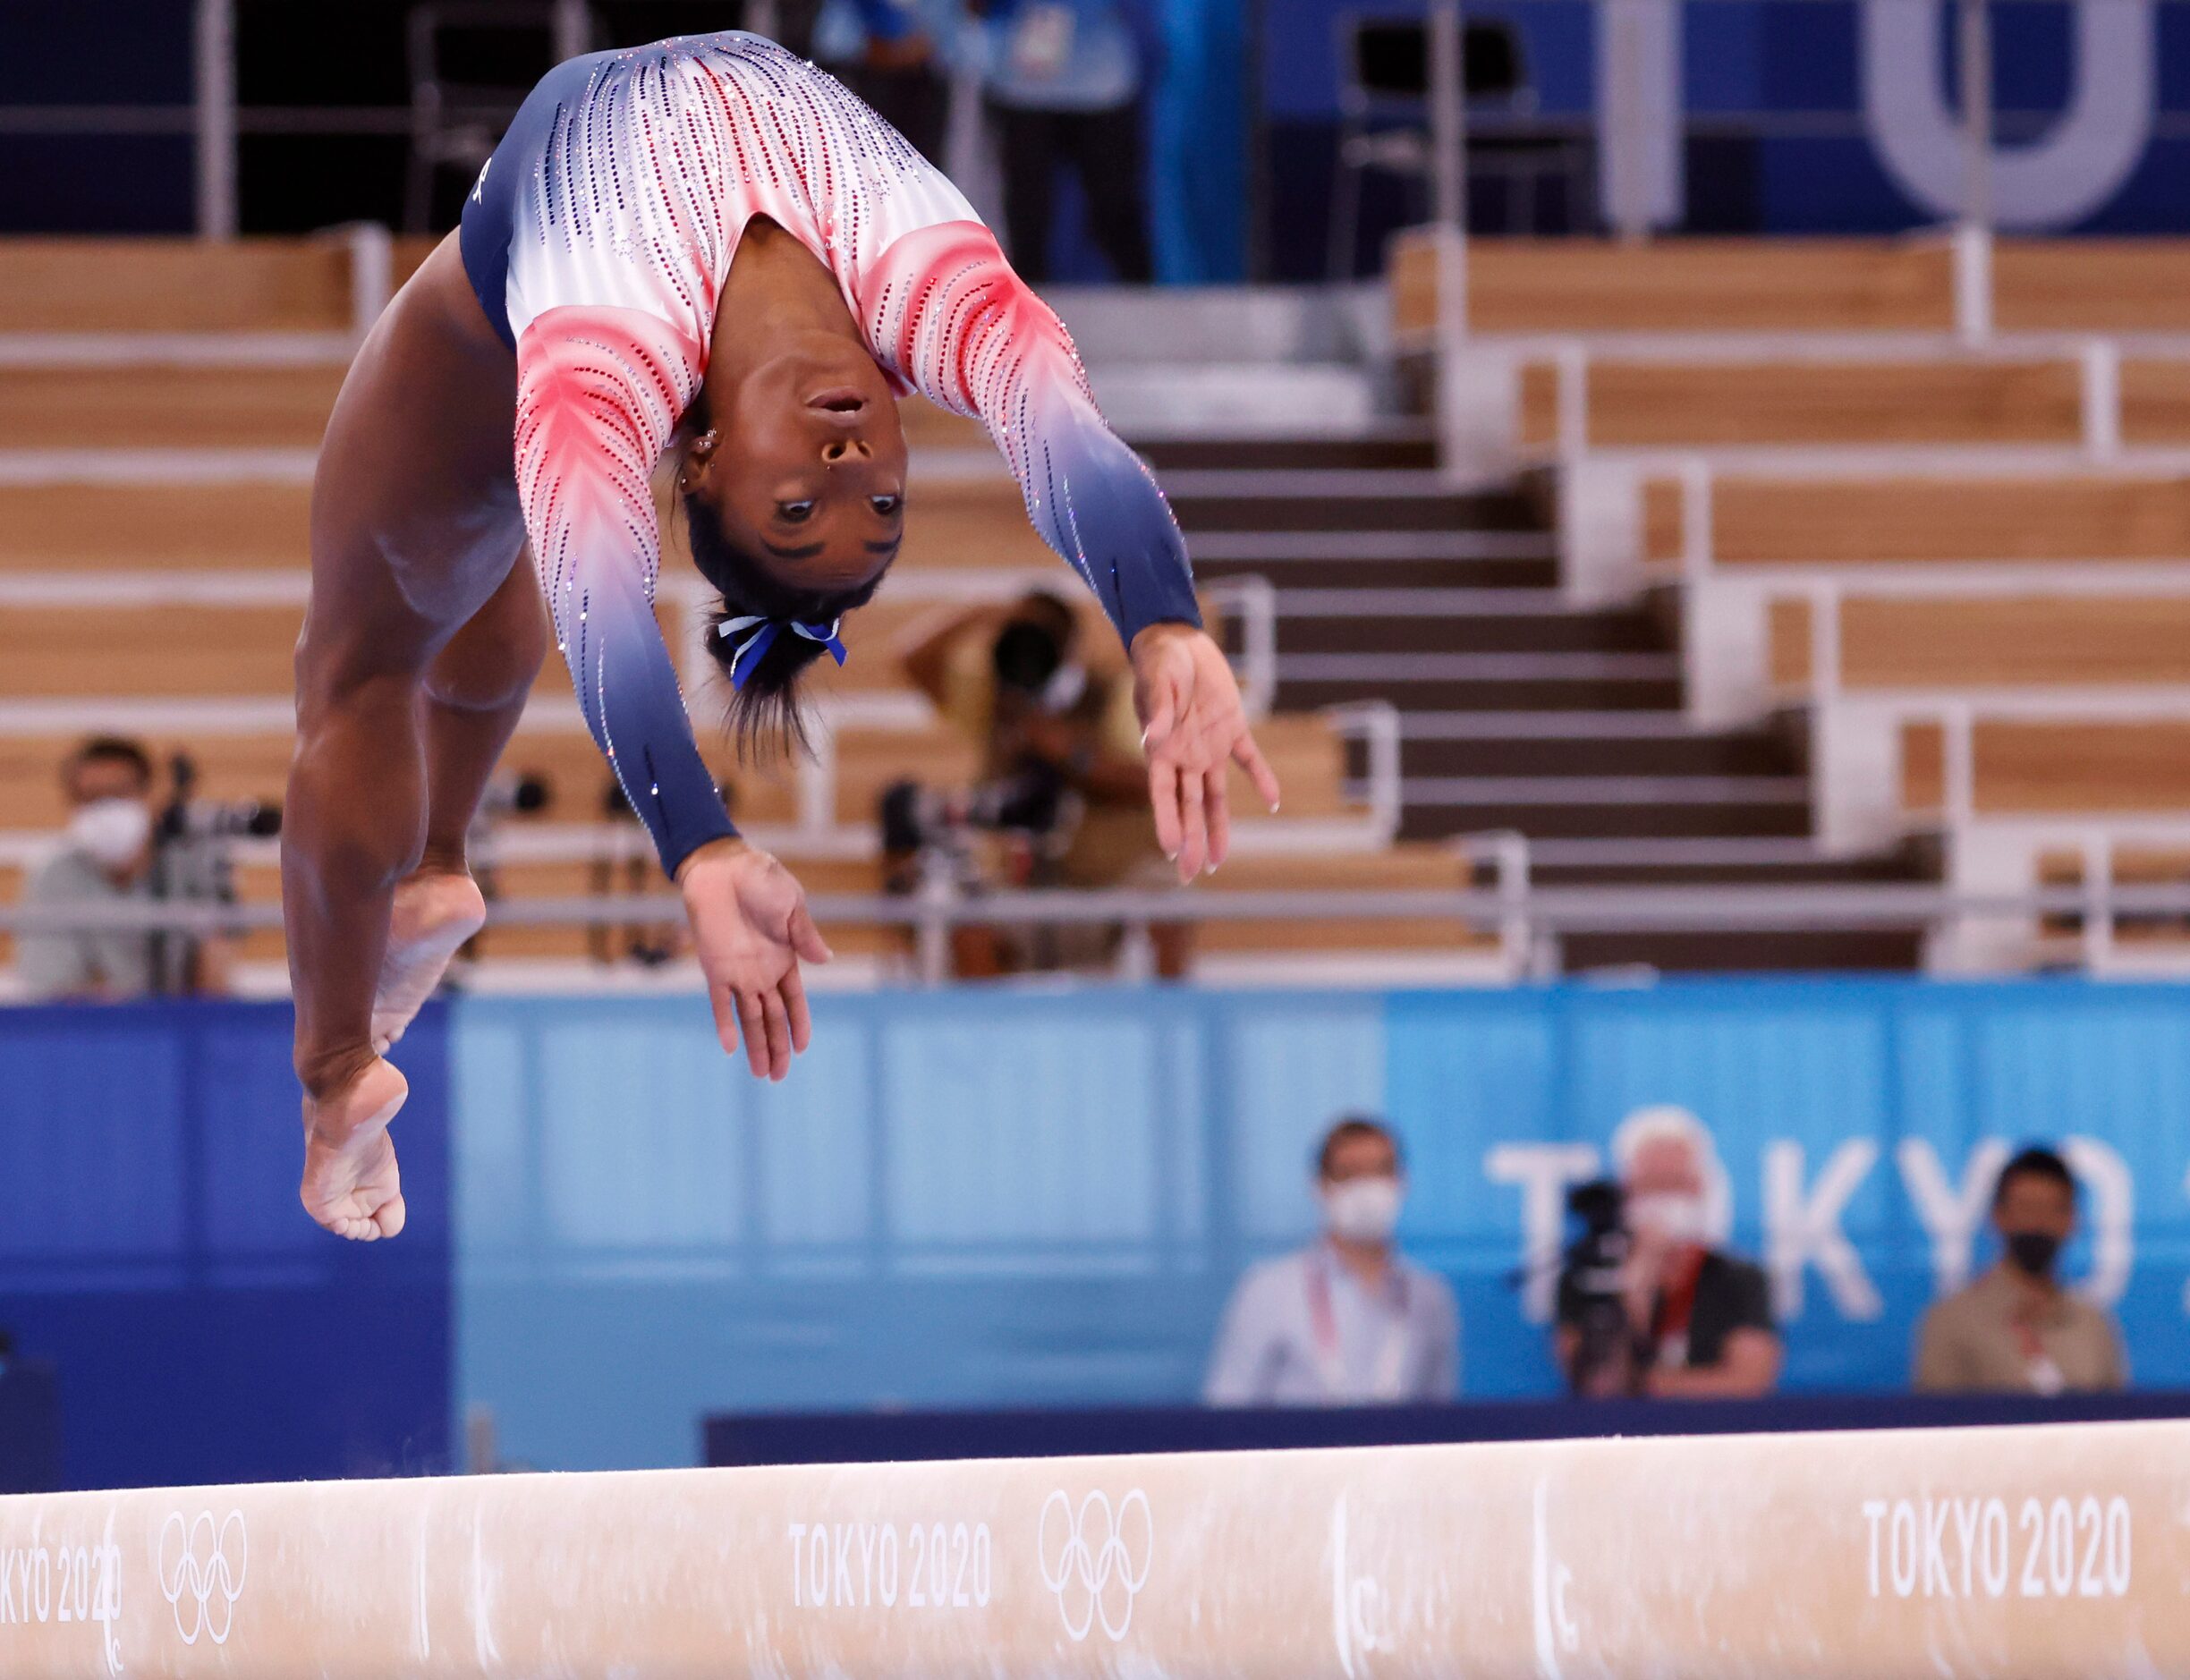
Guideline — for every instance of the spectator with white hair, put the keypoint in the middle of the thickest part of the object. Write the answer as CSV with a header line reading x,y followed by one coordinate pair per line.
x,y
1697,1319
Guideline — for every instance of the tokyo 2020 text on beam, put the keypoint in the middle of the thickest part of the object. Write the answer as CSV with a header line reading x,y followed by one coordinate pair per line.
x,y
2036,1552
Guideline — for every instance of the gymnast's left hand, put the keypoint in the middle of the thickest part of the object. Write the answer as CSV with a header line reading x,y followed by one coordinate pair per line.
x,y
1193,728
751,926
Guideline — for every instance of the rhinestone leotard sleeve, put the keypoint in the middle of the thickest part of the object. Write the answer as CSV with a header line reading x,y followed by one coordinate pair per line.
x,y
943,312
598,393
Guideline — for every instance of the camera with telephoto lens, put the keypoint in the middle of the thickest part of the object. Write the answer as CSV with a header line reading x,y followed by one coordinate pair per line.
x,y
1592,1290
927,834
1030,800
521,793
193,862
189,817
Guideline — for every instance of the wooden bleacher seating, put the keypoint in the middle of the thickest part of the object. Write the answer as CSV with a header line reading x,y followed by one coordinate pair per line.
x,y
198,405
170,405
1991,642
2090,285
235,651
175,285
2023,766
1692,285
1760,520
1726,285
85,652
141,527
303,285
1402,867
256,766
2155,402
1721,404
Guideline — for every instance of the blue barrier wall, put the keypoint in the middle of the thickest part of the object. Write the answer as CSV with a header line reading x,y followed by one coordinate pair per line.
x,y
974,1199
990,1199
151,1248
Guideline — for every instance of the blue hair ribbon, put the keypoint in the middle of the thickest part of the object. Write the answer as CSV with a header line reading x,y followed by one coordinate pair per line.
x,y
761,632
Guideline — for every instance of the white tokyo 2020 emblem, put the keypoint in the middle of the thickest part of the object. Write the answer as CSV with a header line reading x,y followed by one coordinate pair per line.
x,y
201,1568
1096,1558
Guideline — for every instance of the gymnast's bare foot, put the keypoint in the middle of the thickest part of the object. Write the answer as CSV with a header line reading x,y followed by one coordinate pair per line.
x,y
436,911
351,1184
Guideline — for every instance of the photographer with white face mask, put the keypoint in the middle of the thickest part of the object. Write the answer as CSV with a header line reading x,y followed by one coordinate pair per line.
x,y
106,856
1347,1320
1698,1319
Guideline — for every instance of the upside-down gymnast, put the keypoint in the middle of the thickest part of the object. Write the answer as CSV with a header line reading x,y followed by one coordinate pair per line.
x,y
704,245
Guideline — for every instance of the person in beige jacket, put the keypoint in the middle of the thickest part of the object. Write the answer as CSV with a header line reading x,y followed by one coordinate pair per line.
x,y
2014,1330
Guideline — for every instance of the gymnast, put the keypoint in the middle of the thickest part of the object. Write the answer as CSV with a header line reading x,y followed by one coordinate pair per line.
x,y
704,246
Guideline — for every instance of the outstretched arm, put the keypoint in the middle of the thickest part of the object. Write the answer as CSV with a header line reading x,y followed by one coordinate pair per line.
x,y
943,309
598,392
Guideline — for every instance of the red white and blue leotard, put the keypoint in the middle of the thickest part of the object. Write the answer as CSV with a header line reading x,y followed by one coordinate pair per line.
x,y
598,239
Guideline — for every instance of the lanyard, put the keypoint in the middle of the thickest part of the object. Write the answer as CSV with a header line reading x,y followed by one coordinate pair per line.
x,y
2044,1372
1384,1382
1674,1311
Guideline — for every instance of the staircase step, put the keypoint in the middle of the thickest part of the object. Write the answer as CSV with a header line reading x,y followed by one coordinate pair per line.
x,y
1578,818
1517,576
1416,454
1520,711
1716,951
1759,853
1581,752
1398,668
1814,871
1324,684
1348,547
1456,621
1201,506
1605,790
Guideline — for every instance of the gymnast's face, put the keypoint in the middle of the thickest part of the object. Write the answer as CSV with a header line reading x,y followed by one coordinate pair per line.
x,y
807,466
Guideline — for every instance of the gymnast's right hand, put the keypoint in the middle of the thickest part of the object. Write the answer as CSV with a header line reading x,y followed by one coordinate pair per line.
x,y
751,926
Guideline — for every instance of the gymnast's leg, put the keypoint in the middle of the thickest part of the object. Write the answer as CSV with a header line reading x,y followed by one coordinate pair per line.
x,y
354,824
475,692
415,532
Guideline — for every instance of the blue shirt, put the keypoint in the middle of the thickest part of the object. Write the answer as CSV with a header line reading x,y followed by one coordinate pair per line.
x,y
1062,54
1303,1330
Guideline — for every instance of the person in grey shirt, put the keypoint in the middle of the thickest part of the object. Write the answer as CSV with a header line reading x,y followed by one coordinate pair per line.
x,y
1347,1320
106,857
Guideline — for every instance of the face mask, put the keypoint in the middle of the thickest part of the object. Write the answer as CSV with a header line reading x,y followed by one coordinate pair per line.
x,y
111,832
2033,1252
1670,1216
1363,1209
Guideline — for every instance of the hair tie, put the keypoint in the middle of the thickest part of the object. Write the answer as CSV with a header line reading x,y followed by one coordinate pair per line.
x,y
762,635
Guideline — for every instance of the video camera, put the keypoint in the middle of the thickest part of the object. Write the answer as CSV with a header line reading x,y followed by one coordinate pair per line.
x,y
193,861
188,818
1593,1289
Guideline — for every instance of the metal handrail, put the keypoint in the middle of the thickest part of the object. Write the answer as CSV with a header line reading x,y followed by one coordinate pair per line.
x,y
1251,601
1790,908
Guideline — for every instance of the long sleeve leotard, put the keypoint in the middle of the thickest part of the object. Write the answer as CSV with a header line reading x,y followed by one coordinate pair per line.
x,y
598,239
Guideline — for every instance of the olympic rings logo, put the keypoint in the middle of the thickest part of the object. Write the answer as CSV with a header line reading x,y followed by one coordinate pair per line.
x,y
205,1577
1096,1560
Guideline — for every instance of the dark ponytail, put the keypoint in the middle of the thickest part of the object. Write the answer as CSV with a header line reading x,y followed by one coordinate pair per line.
x,y
766,717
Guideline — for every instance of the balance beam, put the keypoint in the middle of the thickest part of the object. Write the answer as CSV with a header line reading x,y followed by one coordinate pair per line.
x,y
2034,1552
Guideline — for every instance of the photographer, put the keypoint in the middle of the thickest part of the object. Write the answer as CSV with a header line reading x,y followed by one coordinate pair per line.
x,y
114,850
1646,1305
1061,766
